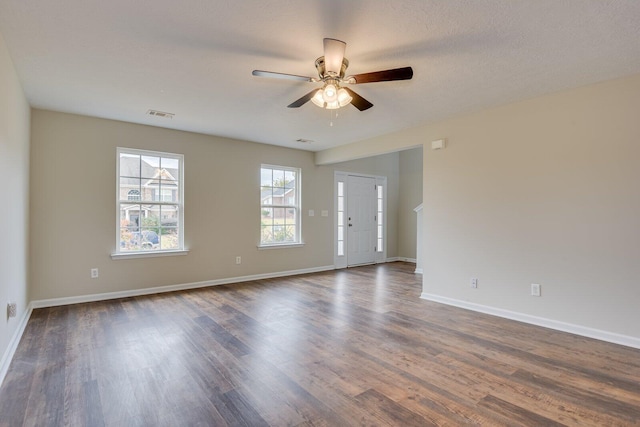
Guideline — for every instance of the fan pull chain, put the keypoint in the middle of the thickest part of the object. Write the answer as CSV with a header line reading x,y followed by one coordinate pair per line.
x,y
332,117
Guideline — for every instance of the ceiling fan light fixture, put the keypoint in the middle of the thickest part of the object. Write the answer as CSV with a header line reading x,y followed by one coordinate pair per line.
x,y
318,98
331,97
334,105
343,97
330,93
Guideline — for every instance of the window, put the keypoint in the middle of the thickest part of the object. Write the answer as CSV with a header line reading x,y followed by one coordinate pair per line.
x,y
279,205
380,222
133,195
340,237
150,209
166,195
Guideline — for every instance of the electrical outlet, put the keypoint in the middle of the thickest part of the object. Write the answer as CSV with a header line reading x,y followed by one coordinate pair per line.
x,y
535,290
474,282
12,309
94,273
238,260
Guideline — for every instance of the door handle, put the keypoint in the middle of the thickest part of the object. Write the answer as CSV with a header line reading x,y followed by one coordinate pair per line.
x,y
350,225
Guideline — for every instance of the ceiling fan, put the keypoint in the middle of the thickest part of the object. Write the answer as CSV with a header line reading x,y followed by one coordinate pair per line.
x,y
331,72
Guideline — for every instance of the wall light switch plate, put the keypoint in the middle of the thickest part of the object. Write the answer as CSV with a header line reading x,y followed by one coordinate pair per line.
x,y
535,290
312,212
438,144
12,309
324,213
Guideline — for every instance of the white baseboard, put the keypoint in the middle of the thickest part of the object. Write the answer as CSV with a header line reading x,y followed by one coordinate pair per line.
x,y
171,288
400,258
13,344
539,321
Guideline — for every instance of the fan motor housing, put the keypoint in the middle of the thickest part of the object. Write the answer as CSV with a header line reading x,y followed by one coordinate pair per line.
x,y
322,71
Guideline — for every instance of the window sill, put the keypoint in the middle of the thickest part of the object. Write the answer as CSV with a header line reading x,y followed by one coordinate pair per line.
x,y
130,255
282,246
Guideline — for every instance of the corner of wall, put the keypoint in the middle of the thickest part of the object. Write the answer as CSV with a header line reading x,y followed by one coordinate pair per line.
x,y
15,116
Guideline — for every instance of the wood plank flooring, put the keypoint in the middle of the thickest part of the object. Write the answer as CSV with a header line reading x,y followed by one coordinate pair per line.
x,y
350,347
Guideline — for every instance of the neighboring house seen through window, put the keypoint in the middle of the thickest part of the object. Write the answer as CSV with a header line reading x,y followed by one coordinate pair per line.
x,y
150,208
279,205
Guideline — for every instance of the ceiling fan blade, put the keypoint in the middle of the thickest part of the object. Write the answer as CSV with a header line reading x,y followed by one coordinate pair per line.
x,y
271,74
300,102
357,101
333,55
404,73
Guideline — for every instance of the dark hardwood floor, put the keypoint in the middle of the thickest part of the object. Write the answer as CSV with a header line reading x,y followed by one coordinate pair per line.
x,y
351,347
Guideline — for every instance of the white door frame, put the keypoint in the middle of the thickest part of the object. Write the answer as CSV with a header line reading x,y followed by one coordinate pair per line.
x,y
340,238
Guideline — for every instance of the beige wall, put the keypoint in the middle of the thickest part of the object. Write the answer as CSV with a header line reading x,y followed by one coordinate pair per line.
x,y
73,207
543,191
410,197
14,191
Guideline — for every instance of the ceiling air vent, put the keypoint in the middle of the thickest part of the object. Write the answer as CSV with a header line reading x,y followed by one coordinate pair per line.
x,y
304,141
162,114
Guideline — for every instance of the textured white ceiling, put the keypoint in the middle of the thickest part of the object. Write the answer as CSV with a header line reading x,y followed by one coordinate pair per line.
x,y
118,58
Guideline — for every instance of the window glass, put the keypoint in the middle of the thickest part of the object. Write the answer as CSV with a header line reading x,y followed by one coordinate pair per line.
x,y
279,205
154,181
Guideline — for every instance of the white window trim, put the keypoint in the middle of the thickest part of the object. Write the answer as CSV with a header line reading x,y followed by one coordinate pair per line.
x,y
148,254
280,246
117,254
299,241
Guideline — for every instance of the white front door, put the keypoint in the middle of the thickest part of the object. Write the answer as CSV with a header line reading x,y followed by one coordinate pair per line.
x,y
361,220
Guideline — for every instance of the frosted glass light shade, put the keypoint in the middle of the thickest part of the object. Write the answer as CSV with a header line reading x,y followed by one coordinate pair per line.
x,y
343,97
330,93
332,105
318,99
